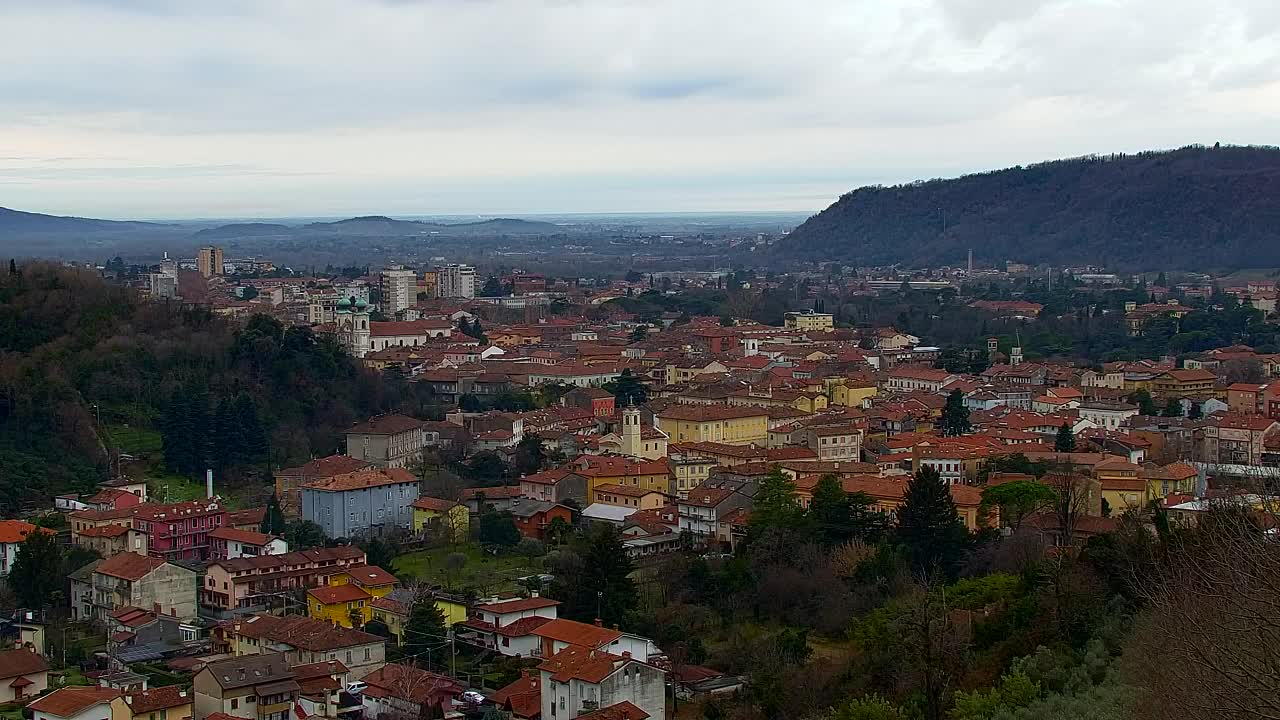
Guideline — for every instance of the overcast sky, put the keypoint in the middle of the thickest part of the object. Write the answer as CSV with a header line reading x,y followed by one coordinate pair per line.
x,y
222,108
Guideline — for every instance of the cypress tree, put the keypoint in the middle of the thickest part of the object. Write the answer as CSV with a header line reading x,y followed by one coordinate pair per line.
x,y
955,416
253,437
226,436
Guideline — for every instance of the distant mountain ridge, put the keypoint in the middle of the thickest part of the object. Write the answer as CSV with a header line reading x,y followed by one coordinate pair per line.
x,y
15,222
1190,208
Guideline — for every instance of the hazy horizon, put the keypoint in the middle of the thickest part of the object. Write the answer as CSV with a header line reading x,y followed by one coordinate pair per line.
x,y
332,108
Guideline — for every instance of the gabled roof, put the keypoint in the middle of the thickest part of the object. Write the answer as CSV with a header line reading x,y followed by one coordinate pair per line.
x,y
362,480
301,632
68,701
246,537
517,605
385,425
619,711
157,698
370,576
576,633
335,594
129,566
249,670
326,467
578,662
434,504
20,662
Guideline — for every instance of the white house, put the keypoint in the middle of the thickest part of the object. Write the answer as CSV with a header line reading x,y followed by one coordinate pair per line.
x,y
1107,415
578,680
12,533
80,703
508,627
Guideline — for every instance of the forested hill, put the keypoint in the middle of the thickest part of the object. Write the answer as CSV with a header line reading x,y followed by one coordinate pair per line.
x,y
1191,208
82,362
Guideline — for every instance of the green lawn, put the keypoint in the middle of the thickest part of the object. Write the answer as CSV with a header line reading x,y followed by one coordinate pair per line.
x,y
135,441
482,572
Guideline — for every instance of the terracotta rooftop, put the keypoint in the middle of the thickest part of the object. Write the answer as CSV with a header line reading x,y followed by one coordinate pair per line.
x,y
619,711
370,576
273,563
578,662
362,480
246,537
157,698
326,467
333,594
705,413
129,566
576,633
20,662
68,701
301,632
385,425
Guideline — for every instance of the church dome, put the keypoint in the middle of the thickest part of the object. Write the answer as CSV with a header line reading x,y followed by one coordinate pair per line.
x,y
361,304
344,304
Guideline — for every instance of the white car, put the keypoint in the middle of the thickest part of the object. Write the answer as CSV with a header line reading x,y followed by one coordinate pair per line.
x,y
356,687
471,697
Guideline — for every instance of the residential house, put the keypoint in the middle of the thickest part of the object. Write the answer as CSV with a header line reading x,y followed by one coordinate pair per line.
x,y
730,424
507,627
180,531
1247,398
522,699
259,687
443,518
562,633
393,610
23,674
578,681
111,539
345,605
555,485
169,702
228,543
1190,384
81,703
533,517
12,534
700,513
612,470
362,503
629,497
290,479
906,378
139,635
253,582
1172,479
499,498
321,687
132,580
386,441
1237,439
301,640
600,402
403,691
833,442
1107,415
689,471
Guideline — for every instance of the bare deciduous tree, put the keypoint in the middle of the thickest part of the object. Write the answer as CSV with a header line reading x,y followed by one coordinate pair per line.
x,y
1208,645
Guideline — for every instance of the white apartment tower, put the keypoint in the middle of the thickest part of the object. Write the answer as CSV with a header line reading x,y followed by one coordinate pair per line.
x,y
457,281
399,289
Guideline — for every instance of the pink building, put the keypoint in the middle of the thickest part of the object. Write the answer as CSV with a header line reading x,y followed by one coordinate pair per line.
x,y
180,531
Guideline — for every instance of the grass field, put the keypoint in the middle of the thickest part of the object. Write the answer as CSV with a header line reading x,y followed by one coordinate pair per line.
x,y
482,572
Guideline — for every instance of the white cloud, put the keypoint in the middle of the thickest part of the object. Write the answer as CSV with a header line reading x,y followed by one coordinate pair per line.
x,y
330,106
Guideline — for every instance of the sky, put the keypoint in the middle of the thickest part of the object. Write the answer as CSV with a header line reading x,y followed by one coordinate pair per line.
x,y
278,108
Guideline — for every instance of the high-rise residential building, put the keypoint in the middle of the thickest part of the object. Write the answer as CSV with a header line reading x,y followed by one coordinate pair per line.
x,y
457,281
399,289
209,260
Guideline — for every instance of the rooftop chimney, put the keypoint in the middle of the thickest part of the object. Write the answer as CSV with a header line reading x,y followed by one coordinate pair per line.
x,y
626,654
599,622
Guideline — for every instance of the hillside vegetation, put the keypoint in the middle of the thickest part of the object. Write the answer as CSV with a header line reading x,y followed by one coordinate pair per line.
x,y
76,352
1192,208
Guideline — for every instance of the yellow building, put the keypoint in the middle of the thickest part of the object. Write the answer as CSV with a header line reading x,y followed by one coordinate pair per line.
x,y
393,611
851,393
809,320
730,424
349,595
1172,479
627,496
599,470
346,605
445,517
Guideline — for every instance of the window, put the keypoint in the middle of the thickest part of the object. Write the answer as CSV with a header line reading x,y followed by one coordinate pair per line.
x,y
348,657
368,654
235,704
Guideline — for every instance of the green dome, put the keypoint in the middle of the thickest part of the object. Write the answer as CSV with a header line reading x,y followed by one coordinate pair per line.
x,y
361,304
344,303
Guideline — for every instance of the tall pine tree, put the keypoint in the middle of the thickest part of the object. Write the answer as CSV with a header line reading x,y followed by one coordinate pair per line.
x,y
929,527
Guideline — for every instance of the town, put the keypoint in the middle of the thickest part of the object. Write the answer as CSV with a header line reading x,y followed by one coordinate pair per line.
x,y
584,460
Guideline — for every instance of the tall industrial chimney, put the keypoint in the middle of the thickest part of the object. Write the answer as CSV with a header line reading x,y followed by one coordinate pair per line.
x,y
208,483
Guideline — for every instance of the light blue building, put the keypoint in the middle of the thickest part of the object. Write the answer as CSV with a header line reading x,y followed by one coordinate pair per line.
x,y
361,503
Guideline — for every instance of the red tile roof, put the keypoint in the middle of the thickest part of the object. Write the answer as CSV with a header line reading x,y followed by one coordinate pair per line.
x,y
705,413
620,711
69,701
20,662
385,425
522,697
326,467
334,594
576,633
362,479
434,504
246,537
15,531
129,566
578,662
301,632
370,576
169,696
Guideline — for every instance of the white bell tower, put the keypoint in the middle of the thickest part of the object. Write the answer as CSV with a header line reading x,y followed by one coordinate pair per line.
x,y
631,431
